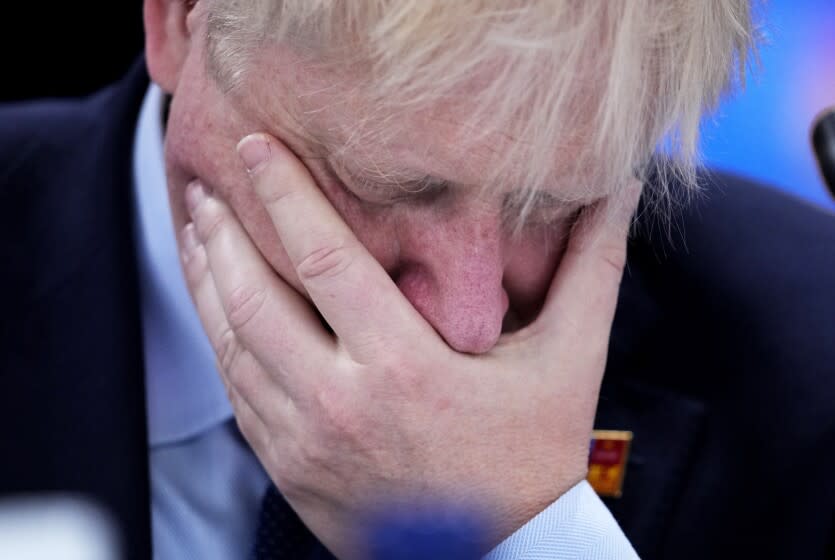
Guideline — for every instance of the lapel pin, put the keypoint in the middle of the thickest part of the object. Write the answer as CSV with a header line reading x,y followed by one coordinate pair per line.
x,y
608,453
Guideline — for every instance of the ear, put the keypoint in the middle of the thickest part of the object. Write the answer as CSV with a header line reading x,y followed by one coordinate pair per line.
x,y
167,39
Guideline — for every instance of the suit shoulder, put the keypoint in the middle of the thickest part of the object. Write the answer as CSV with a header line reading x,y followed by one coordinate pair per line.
x,y
734,227
767,240
35,118
43,142
759,211
43,127
748,282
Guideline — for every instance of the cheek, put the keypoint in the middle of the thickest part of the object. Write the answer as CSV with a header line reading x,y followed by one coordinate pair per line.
x,y
201,135
200,140
374,226
530,269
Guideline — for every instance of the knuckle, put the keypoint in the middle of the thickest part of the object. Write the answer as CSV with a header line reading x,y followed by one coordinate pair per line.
x,y
410,383
613,257
283,480
273,194
242,378
211,224
328,261
280,456
298,466
312,455
244,304
228,351
247,429
287,479
196,268
231,394
313,458
338,419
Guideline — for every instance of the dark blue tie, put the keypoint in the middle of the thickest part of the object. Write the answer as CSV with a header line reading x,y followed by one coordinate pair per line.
x,y
281,535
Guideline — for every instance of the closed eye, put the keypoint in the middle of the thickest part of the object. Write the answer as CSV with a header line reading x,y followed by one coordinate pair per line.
x,y
391,191
538,210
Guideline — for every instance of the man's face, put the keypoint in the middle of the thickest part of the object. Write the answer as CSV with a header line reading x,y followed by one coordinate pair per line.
x,y
449,247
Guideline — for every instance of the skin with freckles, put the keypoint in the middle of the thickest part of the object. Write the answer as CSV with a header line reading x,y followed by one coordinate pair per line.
x,y
450,250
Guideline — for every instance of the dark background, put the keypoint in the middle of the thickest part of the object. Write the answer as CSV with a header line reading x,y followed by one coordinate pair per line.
x,y
67,48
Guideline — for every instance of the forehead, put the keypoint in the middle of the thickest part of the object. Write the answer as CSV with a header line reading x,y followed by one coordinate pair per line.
x,y
326,110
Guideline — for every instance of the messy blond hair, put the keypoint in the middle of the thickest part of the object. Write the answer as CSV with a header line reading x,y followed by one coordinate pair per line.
x,y
612,82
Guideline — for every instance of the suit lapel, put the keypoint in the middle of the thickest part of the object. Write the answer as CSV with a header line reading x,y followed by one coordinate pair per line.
x,y
72,382
643,391
666,430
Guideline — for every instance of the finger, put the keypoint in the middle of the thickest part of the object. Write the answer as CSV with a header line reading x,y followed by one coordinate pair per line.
x,y
251,426
272,447
269,318
349,287
583,295
236,366
201,286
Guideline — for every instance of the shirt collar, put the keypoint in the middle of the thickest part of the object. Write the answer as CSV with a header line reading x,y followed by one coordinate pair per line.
x,y
184,394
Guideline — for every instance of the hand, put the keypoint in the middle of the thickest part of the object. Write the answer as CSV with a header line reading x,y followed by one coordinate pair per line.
x,y
385,410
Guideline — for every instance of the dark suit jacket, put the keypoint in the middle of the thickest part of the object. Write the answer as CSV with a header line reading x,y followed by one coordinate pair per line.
x,y
722,356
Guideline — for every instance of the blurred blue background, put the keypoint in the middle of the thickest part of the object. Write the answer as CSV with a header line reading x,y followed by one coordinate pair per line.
x,y
764,132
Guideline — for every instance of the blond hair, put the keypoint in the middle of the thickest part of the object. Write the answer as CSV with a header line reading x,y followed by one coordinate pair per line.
x,y
609,82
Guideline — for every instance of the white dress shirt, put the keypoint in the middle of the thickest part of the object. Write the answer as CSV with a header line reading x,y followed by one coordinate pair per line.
x,y
206,485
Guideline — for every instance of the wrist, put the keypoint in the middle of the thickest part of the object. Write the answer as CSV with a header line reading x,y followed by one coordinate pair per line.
x,y
533,497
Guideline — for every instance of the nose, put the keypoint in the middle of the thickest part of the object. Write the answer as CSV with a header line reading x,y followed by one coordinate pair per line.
x,y
452,274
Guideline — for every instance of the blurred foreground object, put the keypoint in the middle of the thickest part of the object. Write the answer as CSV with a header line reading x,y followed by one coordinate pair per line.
x,y
823,142
55,528
426,534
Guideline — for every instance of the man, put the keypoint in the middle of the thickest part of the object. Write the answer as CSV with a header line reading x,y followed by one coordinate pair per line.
x,y
408,276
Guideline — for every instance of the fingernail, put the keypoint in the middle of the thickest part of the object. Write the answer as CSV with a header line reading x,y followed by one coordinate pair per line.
x,y
254,151
195,195
190,241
